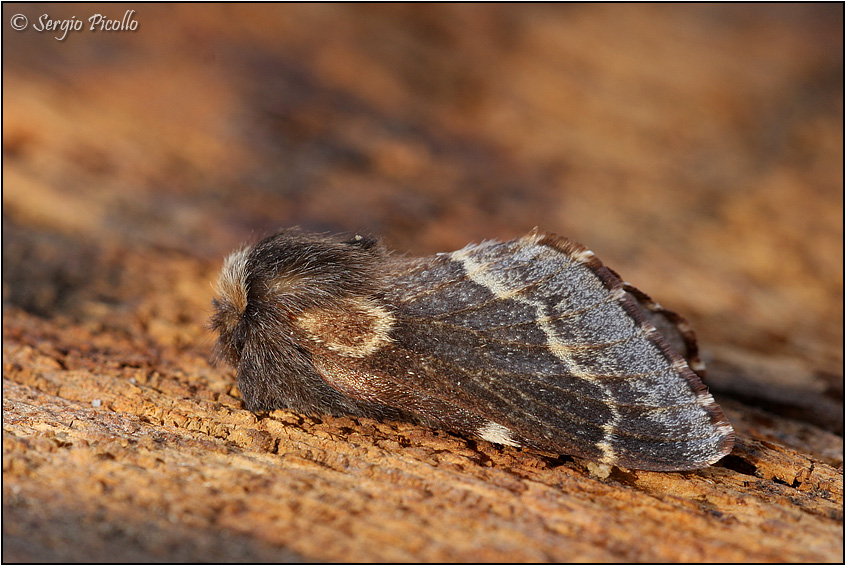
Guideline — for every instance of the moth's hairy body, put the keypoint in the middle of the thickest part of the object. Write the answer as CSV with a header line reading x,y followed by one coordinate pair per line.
x,y
531,342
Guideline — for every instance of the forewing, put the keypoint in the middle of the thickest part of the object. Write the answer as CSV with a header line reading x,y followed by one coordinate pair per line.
x,y
534,342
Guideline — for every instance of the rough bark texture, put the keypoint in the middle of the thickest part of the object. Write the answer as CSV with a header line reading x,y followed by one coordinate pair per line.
x,y
696,149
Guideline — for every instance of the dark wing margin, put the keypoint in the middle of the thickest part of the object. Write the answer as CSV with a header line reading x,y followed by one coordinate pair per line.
x,y
535,342
673,327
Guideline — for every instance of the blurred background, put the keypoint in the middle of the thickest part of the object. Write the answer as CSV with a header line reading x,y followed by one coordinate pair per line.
x,y
697,149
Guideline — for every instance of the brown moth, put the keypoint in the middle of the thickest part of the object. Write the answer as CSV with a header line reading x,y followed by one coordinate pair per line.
x,y
531,342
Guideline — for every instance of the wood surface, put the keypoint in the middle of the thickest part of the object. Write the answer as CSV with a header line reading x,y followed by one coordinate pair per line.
x,y
697,149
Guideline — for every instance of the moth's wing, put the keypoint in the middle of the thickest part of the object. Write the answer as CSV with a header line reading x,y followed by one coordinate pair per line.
x,y
673,327
534,342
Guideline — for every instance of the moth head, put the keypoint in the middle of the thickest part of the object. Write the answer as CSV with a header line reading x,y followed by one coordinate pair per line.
x,y
264,289
230,305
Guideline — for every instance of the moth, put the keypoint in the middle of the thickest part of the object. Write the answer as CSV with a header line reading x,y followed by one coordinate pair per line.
x,y
531,342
